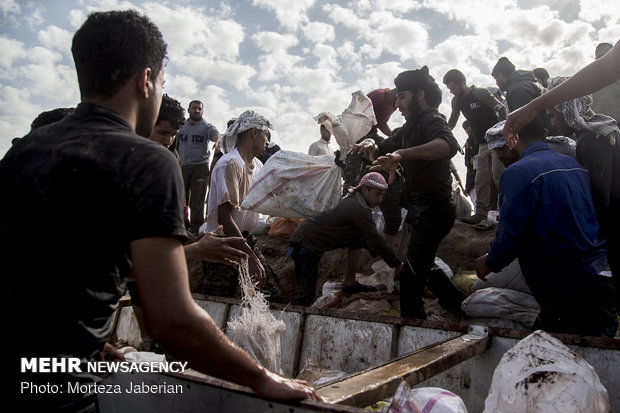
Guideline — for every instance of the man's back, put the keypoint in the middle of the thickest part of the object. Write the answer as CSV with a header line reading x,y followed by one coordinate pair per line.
x,y
521,89
547,221
82,189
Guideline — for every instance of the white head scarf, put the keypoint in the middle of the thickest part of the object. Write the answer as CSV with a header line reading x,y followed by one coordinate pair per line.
x,y
247,120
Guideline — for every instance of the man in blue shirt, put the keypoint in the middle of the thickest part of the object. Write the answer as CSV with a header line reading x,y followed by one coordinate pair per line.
x,y
547,221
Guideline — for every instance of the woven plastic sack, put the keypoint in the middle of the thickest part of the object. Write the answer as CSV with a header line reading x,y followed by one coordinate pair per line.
x,y
352,124
502,303
295,185
510,277
540,374
424,400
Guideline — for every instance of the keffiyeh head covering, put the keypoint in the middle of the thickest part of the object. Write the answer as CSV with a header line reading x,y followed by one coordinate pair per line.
x,y
247,120
371,180
578,115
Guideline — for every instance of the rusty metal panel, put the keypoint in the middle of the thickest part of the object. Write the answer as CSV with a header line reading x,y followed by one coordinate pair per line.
x,y
413,338
344,344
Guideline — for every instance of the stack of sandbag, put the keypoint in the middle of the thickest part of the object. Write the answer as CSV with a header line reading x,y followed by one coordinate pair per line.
x,y
540,374
504,300
295,185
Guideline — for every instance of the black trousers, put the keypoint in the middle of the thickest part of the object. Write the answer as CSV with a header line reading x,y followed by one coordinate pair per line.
x,y
427,231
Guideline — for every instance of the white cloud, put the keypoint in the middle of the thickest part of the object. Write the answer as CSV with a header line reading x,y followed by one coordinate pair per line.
x,y
56,38
290,14
11,51
9,7
272,41
319,32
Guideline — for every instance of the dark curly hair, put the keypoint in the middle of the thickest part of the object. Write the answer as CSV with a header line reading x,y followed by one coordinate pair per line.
x,y
111,47
172,111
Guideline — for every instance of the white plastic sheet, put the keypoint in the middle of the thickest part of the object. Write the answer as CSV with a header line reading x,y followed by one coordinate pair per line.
x,y
540,374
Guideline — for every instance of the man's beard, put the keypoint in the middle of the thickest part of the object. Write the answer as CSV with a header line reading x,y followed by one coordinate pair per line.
x,y
195,116
414,110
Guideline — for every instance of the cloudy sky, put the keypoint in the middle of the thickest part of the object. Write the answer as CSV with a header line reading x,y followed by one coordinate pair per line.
x,y
292,59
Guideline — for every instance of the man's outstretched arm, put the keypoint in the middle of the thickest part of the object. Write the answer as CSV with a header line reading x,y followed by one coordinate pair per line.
x,y
188,332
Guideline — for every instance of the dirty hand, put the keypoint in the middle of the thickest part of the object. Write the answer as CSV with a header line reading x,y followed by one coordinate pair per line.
x,y
278,387
389,163
482,269
367,147
515,121
109,353
257,271
213,248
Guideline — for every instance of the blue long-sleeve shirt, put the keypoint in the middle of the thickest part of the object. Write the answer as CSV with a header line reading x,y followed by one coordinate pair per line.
x,y
547,221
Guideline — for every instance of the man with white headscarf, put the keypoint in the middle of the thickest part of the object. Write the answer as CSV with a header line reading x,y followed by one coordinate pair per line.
x,y
232,176
598,150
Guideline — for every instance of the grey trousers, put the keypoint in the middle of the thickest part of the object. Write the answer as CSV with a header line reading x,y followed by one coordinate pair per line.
x,y
488,171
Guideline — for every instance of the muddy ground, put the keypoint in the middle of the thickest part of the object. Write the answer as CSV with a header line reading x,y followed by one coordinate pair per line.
x,y
459,250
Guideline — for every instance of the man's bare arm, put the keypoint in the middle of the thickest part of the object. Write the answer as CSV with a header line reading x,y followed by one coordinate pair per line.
x,y
224,216
188,332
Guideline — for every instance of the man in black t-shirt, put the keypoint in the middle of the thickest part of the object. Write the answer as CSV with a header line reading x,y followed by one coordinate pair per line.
x,y
96,170
478,106
424,146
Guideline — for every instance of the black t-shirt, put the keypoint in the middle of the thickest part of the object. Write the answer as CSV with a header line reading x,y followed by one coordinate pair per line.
x,y
480,116
76,193
427,181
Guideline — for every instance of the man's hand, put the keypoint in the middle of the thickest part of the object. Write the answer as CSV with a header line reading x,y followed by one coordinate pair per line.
x,y
275,386
210,247
389,163
482,269
109,353
515,121
367,147
257,271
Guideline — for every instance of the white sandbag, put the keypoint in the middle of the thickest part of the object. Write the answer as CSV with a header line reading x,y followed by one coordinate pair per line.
x,y
510,277
352,124
295,185
503,303
425,399
540,374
